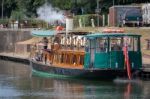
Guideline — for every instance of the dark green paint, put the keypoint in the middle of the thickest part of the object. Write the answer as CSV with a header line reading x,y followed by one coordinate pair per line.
x,y
94,35
113,59
101,60
87,60
136,59
116,60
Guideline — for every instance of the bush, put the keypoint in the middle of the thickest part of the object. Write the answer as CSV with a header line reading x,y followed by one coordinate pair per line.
x,y
4,21
86,20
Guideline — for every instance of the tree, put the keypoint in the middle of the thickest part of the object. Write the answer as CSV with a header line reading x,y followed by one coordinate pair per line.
x,y
8,6
17,15
29,6
61,4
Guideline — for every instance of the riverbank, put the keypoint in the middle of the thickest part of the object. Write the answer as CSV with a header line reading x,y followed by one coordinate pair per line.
x,y
21,58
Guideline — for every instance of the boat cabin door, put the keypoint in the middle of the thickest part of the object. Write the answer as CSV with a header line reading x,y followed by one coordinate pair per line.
x,y
92,52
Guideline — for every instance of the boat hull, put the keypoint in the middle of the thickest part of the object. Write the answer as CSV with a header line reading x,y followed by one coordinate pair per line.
x,y
77,73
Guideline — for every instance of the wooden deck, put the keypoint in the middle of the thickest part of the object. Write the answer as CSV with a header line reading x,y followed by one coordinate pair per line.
x,y
68,66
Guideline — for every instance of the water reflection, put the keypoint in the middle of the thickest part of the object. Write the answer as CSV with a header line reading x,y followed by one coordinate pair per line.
x,y
127,91
17,83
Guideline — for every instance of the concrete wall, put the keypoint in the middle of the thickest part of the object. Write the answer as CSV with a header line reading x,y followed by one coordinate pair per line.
x,y
8,38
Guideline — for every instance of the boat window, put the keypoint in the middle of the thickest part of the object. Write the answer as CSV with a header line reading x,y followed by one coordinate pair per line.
x,y
116,43
72,42
87,45
132,43
135,44
101,44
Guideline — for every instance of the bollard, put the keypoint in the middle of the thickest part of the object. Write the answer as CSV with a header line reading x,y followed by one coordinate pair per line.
x,y
92,21
108,20
148,44
103,20
80,23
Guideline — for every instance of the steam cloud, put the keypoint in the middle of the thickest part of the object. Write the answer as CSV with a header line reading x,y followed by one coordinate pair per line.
x,y
50,14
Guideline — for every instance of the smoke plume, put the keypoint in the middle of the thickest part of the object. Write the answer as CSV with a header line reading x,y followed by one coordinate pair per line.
x,y
50,14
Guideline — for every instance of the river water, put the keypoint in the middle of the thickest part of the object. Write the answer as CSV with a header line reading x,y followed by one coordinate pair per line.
x,y
16,82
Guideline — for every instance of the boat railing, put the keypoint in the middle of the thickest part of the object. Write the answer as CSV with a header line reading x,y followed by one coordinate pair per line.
x,y
66,56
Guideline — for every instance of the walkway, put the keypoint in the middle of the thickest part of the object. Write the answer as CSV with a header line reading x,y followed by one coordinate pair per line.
x,y
22,56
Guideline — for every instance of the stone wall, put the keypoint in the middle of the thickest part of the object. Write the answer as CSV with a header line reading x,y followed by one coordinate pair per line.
x,y
8,38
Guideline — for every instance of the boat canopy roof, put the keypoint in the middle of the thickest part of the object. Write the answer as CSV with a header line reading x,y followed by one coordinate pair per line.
x,y
45,33
42,33
94,35
30,41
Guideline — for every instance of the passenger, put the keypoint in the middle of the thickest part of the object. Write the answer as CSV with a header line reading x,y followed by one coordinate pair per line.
x,y
68,42
57,39
45,43
82,42
75,41
105,47
49,46
102,47
38,55
33,51
86,46
43,57
116,47
56,46
78,44
72,43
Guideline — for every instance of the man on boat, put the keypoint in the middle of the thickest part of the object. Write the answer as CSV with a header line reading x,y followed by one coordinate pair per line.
x,y
45,43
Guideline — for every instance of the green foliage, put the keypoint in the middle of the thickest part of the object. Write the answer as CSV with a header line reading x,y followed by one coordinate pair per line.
x,y
4,21
85,19
28,7
38,24
61,4
17,15
8,6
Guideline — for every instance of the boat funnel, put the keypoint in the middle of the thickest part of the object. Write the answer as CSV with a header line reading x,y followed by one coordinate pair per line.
x,y
69,24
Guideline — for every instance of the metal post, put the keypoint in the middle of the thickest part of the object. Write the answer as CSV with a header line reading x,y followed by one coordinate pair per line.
x,y
75,2
103,20
108,20
2,7
97,13
113,2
